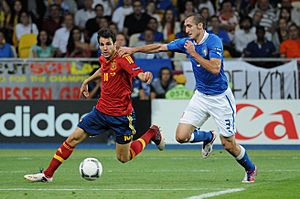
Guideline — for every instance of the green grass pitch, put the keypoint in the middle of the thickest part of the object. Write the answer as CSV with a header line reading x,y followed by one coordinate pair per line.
x,y
153,174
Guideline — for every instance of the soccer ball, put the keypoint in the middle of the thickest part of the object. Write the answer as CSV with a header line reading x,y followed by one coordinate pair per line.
x,y
90,169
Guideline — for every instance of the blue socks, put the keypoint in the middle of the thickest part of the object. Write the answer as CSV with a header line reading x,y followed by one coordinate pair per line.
x,y
201,136
244,160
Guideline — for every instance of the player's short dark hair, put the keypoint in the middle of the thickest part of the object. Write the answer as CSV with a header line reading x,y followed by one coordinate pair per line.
x,y
106,33
198,18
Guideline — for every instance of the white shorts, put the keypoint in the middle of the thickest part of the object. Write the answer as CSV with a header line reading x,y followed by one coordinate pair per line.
x,y
221,107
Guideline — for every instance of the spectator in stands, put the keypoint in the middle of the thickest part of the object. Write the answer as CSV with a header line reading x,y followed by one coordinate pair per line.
x,y
182,32
61,36
285,13
290,48
137,21
91,25
13,21
108,6
295,12
53,21
281,33
149,39
244,35
268,15
43,48
217,30
169,25
37,9
140,90
261,47
102,22
113,27
205,13
76,47
6,50
153,25
256,18
25,26
207,4
228,17
84,14
244,6
121,39
4,16
151,11
189,9
162,84
120,13
179,91
67,6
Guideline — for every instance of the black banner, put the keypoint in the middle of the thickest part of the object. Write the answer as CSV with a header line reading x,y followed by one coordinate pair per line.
x,y
23,121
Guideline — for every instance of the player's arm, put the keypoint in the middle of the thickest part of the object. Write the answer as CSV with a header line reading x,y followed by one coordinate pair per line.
x,y
84,86
151,48
145,77
212,65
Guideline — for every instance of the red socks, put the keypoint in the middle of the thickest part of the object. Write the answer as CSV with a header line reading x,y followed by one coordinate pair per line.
x,y
62,153
138,145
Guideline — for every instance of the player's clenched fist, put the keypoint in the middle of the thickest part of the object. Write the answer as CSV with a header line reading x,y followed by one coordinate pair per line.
x,y
148,77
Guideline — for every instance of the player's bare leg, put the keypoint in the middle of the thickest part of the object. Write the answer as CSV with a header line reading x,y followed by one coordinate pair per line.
x,y
123,152
241,157
188,133
126,152
62,153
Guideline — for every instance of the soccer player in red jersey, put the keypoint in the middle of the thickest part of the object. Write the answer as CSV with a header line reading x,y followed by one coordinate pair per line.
x,y
113,110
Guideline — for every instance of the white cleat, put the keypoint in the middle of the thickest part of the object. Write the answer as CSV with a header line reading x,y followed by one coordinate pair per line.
x,y
37,177
207,148
159,138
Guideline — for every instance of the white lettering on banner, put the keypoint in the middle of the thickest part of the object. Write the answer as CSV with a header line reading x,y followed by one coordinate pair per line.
x,y
23,124
251,82
257,121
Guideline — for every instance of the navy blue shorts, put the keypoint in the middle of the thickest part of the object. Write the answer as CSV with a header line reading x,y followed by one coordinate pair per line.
x,y
95,123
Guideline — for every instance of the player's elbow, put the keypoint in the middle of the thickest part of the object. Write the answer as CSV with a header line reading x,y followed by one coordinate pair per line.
x,y
216,70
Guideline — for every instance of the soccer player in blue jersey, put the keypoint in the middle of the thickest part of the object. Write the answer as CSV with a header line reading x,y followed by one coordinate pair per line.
x,y
212,97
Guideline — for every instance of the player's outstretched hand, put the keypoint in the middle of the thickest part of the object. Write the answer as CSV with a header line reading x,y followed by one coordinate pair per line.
x,y
148,77
125,51
84,92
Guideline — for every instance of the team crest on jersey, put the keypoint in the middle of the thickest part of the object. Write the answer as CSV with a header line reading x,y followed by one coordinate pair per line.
x,y
205,51
113,66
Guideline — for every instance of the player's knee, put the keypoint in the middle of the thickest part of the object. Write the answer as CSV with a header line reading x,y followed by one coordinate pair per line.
x,y
123,159
181,139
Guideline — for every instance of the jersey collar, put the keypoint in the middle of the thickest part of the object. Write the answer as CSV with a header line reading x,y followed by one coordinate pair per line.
x,y
202,40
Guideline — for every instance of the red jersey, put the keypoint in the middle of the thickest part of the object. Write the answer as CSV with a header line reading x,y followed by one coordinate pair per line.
x,y
116,76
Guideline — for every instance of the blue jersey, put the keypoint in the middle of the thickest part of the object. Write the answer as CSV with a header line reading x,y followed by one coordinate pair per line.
x,y
210,47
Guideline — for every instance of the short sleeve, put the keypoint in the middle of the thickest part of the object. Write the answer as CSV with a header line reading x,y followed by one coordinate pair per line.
x,y
177,45
128,64
215,48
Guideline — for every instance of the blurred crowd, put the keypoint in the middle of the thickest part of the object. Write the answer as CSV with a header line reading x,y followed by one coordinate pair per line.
x,y
68,28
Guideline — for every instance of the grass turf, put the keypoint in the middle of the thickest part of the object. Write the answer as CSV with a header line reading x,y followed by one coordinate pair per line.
x,y
153,174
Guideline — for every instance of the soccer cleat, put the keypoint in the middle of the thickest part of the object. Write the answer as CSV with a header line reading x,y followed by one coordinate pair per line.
x,y
158,138
38,177
250,176
207,147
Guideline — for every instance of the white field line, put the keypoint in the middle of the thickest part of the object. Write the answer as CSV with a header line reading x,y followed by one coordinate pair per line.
x,y
97,189
171,171
217,193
